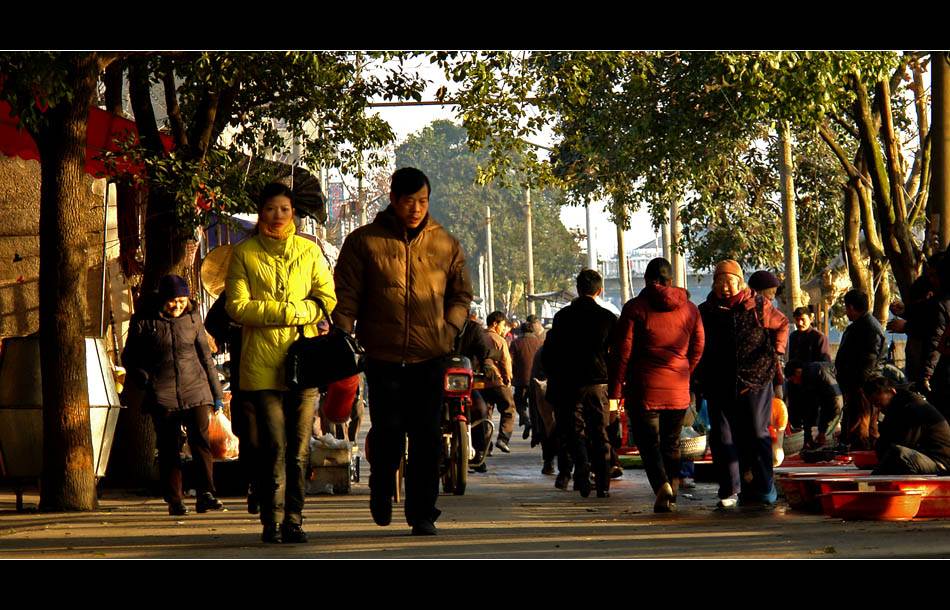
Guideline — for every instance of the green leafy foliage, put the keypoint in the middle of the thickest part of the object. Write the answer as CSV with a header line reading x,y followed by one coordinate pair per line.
x,y
459,203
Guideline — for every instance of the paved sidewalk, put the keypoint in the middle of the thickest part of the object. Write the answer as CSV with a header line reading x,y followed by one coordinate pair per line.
x,y
511,512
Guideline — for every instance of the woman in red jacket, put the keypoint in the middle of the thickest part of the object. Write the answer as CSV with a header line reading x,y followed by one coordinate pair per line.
x,y
657,344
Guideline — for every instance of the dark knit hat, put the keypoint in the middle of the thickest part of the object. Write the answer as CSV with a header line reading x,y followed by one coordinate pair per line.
x,y
763,280
173,286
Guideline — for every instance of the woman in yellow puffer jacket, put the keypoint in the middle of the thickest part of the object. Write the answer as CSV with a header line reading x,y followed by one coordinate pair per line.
x,y
273,282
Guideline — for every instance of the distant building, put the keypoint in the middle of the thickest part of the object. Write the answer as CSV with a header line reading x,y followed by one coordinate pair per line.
x,y
698,283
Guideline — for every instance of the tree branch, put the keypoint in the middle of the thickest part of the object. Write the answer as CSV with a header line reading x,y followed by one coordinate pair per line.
x,y
140,98
174,111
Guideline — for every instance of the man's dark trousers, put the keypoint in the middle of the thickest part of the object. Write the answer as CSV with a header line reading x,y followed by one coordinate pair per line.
x,y
657,436
406,399
582,421
500,396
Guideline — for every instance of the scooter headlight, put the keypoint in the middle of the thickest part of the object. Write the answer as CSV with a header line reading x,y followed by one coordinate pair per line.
x,y
457,382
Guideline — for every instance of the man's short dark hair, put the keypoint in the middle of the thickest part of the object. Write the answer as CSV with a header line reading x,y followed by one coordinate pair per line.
x,y
495,316
274,189
858,300
589,283
804,310
659,271
877,384
408,180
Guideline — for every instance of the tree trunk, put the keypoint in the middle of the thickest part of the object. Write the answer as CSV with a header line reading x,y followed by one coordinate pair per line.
x,y
891,215
938,205
68,480
793,287
857,270
164,241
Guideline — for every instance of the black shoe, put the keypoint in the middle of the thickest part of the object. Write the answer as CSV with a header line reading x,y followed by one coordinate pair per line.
x,y
253,502
177,509
271,534
527,431
616,472
424,528
503,446
603,493
561,481
292,532
483,467
582,483
548,467
206,502
381,507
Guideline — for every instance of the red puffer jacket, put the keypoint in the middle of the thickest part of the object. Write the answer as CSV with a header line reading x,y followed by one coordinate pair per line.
x,y
657,344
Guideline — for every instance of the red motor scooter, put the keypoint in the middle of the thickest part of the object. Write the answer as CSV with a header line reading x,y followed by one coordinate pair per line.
x,y
456,424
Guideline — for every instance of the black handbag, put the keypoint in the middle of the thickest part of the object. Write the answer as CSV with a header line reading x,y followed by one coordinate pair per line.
x,y
318,361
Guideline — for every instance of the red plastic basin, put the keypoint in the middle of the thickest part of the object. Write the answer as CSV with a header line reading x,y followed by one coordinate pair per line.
x,y
865,460
881,505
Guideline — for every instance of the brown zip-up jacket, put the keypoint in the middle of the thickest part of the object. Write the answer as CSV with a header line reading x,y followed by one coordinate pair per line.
x,y
408,297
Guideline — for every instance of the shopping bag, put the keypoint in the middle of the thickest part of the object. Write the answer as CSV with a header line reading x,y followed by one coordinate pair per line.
x,y
224,443
314,362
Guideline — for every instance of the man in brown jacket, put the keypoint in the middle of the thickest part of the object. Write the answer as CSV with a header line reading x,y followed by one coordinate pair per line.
x,y
497,391
402,281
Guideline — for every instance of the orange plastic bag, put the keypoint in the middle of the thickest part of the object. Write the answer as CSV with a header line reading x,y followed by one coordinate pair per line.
x,y
776,430
779,417
224,443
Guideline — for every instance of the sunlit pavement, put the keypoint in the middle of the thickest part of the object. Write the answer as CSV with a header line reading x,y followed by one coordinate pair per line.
x,y
512,511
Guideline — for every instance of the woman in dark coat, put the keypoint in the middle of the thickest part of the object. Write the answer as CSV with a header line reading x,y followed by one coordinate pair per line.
x,y
167,355
743,335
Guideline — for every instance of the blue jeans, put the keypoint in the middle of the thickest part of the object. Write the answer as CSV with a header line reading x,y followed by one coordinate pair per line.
x,y
284,424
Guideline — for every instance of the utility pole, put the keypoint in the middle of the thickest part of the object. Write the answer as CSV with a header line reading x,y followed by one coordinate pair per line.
x,y
360,198
530,250
481,280
491,271
665,240
676,259
591,254
622,266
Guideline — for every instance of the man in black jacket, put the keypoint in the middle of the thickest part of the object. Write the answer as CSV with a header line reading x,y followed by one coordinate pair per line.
x,y
574,357
915,437
860,357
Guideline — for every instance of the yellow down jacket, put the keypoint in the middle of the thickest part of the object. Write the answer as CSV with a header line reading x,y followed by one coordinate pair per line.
x,y
270,289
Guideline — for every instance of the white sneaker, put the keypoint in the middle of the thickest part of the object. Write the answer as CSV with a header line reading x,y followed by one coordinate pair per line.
x,y
729,502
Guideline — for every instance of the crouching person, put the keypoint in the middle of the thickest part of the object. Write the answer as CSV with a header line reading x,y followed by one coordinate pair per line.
x,y
914,436
814,399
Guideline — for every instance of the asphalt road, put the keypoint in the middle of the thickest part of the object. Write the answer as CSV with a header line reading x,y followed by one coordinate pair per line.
x,y
510,512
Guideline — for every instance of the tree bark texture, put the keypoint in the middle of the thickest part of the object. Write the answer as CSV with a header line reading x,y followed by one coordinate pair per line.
x,y
793,288
891,215
857,269
68,480
938,204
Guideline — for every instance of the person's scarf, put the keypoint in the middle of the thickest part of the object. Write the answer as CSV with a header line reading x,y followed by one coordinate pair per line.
x,y
733,300
282,235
